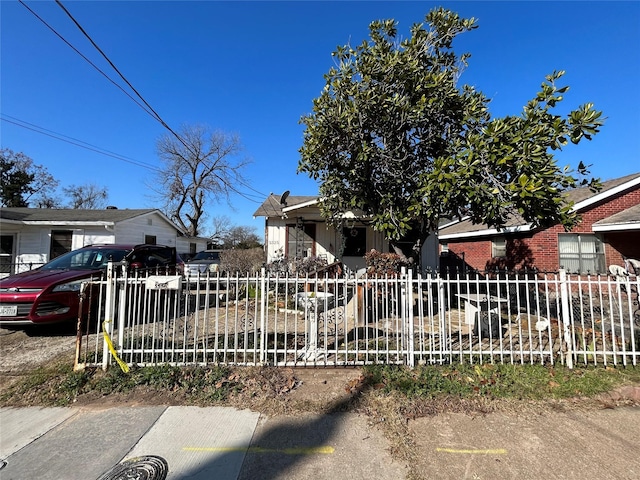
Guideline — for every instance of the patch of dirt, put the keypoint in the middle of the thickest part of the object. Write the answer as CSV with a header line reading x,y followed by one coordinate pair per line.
x,y
22,350
270,390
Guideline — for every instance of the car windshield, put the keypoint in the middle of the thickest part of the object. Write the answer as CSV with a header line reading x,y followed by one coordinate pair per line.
x,y
86,259
206,256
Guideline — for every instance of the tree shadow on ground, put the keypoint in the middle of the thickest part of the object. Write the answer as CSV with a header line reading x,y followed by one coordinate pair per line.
x,y
282,449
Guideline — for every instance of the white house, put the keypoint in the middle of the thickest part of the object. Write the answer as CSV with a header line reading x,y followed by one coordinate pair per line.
x,y
33,236
294,228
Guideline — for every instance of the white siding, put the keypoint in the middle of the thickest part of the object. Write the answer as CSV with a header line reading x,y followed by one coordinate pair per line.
x,y
93,236
183,244
135,230
327,243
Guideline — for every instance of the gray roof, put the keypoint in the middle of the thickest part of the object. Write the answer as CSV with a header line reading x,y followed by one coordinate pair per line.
x,y
64,215
272,206
630,216
577,196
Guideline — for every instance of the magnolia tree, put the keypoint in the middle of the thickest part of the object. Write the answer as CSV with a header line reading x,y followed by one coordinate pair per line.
x,y
393,137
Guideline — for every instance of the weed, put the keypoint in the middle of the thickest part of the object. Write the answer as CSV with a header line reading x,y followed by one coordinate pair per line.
x,y
530,382
58,384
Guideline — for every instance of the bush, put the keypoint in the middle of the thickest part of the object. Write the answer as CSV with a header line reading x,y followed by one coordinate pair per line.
x,y
382,264
242,260
297,266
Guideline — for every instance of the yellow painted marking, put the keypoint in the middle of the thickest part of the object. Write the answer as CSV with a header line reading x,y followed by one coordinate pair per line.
x,y
497,451
287,451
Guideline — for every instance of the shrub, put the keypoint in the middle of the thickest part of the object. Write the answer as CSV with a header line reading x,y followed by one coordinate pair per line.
x,y
379,263
242,260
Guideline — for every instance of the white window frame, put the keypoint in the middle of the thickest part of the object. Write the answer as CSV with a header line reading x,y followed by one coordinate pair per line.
x,y
499,247
581,253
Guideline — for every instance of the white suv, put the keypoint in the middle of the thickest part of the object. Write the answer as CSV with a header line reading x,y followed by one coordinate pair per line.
x,y
202,262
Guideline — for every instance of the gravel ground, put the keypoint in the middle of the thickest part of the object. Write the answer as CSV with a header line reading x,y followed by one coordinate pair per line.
x,y
23,349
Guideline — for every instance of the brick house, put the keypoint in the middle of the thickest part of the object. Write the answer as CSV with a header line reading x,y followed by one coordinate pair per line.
x,y
609,232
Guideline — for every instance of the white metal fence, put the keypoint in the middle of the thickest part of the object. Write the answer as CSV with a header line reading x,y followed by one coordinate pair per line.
x,y
301,321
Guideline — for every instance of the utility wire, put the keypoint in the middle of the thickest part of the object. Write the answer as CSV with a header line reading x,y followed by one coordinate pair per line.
x,y
146,107
82,144
157,116
74,141
89,61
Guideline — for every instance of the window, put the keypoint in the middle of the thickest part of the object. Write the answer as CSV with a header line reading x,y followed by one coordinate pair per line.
x,y
6,255
581,253
355,242
301,240
150,239
60,243
499,247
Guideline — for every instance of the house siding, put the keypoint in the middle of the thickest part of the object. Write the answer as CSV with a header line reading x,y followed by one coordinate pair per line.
x,y
32,245
32,241
540,249
136,229
326,241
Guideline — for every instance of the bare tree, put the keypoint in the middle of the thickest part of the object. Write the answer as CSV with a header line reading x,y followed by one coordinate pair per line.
x,y
88,196
227,236
201,165
241,237
220,229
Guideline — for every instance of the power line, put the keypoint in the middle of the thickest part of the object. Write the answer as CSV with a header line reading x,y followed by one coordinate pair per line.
x,y
82,144
87,60
74,141
146,107
157,116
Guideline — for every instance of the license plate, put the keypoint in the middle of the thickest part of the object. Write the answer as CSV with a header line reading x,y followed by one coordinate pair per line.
x,y
8,310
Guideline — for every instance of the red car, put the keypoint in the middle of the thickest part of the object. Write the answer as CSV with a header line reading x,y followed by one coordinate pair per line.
x,y
49,294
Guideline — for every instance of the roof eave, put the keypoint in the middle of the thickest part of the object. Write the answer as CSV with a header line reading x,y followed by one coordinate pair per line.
x,y
616,227
606,194
484,233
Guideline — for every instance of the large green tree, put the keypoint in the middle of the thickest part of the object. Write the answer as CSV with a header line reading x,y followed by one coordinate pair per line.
x,y
393,137
22,182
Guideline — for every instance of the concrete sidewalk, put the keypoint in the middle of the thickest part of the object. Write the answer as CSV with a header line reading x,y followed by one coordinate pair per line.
x,y
227,444
197,443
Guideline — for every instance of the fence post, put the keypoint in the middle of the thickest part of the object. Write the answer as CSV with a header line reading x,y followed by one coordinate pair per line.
x,y
107,321
565,301
407,309
263,294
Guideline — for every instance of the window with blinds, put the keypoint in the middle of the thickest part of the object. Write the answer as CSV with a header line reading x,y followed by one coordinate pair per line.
x,y
499,247
581,253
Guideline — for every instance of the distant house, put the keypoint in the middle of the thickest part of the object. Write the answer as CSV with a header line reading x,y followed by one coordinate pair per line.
x,y
33,236
294,228
608,233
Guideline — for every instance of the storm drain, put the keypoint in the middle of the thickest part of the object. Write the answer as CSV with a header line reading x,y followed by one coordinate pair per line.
x,y
149,467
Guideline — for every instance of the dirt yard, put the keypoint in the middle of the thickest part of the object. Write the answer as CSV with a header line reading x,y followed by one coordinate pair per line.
x,y
23,350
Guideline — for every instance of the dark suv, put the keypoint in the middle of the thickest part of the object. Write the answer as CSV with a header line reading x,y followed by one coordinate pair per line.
x,y
49,294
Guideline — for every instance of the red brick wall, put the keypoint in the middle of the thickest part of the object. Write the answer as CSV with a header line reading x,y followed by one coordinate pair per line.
x,y
540,249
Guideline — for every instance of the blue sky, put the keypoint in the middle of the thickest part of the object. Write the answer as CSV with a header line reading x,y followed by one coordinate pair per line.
x,y
254,68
